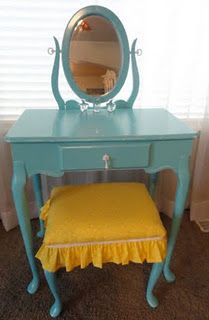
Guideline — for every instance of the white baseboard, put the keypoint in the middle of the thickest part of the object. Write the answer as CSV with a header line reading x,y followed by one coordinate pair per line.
x,y
9,218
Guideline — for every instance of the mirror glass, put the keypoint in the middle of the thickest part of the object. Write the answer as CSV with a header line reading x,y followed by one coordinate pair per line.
x,y
95,55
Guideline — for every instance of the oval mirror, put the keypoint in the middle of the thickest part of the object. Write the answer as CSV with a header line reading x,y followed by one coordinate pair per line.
x,y
95,54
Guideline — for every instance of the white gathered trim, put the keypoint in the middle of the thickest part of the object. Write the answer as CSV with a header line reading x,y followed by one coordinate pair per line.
x,y
78,244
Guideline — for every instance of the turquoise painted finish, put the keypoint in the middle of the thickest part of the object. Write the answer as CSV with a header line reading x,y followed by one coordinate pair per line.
x,y
55,76
36,179
54,151
121,33
117,133
121,125
154,276
183,176
18,185
56,308
132,155
135,76
51,142
72,104
152,184
124,45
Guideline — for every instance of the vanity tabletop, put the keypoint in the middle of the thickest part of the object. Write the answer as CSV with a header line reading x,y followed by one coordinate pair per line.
x,y
50,125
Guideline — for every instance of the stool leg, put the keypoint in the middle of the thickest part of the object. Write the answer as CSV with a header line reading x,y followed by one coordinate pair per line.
x,y
154,276
56,308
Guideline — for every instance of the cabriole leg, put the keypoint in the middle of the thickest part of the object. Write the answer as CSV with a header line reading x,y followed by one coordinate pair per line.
x,y
18,189
181,195
154,276
36,179
56,308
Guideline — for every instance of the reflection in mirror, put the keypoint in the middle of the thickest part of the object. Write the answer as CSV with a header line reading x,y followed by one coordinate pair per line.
x,y
95,55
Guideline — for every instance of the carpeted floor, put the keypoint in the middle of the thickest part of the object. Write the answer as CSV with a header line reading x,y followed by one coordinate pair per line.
x,y
113,293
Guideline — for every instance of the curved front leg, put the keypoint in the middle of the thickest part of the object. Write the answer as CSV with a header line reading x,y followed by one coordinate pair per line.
x,y
154,276
36,179
181,195
18,189
56,308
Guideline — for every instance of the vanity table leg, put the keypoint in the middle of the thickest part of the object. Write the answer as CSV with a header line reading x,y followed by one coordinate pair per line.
x,y
18,189
181,195
56,308
154,276
36,178
152,184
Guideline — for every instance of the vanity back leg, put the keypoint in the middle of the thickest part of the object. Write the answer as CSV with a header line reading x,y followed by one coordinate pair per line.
x,y
36,179
152,184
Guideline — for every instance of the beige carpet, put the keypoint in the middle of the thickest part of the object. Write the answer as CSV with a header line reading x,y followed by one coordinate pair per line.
x,y
113,293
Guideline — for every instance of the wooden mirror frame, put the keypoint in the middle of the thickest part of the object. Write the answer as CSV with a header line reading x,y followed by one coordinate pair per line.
x,y
124,49
125,57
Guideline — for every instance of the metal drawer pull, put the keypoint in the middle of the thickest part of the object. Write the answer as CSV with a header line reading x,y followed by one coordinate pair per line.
x,y
106,159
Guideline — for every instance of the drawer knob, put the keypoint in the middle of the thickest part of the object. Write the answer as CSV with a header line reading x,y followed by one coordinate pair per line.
x,y
106,159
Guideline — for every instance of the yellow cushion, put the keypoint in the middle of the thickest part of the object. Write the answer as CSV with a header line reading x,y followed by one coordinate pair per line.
x,y
97,223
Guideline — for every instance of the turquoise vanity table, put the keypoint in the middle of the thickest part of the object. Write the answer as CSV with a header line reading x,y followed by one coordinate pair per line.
x,y
96,132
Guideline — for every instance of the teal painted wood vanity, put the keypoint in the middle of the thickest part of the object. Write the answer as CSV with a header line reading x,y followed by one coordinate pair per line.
x,y
96,133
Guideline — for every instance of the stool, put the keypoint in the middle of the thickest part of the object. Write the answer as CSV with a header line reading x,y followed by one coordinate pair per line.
x,y
100,223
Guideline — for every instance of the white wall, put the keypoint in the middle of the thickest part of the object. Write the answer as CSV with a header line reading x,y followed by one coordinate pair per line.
x,y
104,53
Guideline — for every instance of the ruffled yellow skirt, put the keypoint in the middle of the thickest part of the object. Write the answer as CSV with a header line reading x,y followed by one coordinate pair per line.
x,y
99,223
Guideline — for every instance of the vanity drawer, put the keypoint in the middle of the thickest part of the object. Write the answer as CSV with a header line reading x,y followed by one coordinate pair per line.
x,y
129,155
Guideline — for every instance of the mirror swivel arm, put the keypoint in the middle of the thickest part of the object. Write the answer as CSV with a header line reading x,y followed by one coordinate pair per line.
x,y
135,74
55,75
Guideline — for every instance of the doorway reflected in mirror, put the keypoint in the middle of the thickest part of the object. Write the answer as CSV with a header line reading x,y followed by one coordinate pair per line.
x,y
95,55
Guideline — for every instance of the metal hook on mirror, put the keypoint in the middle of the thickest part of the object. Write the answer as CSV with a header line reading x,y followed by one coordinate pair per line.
x,y
138,52
52,50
